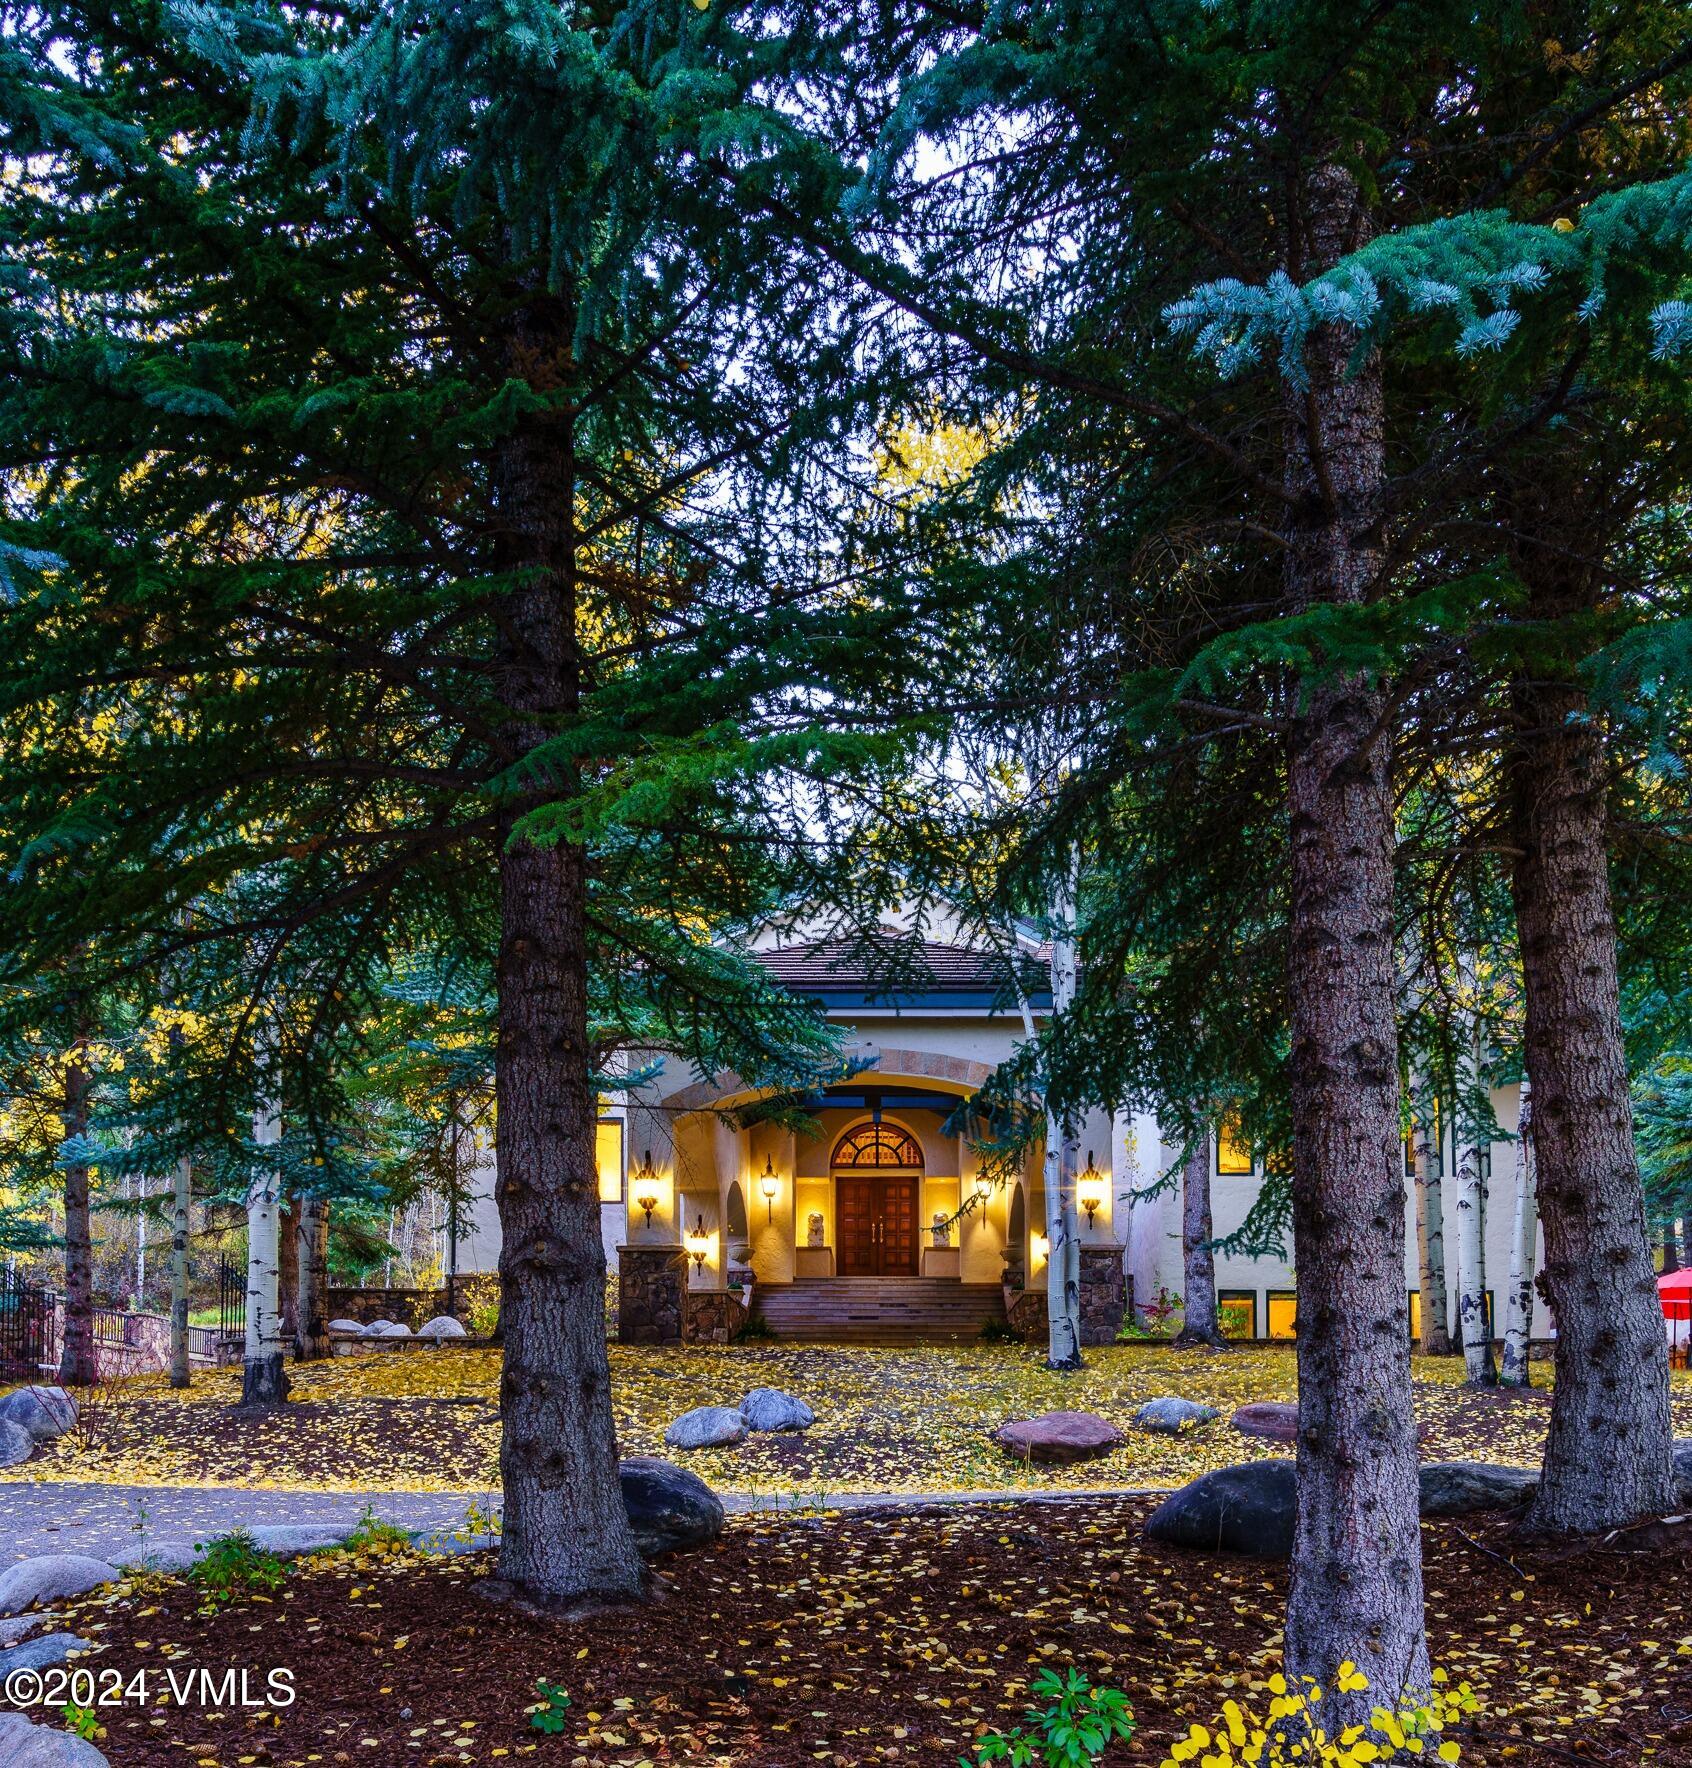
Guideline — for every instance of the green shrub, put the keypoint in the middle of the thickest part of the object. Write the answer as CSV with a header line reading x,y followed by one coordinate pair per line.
x,y
1070,1731
235,1565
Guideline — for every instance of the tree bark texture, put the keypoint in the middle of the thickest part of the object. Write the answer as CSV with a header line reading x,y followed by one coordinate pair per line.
x,y
1607,1455
78,1364
181,1196
1472,1143
1356,1588
566,1537
311,1280
1199,1325
1063,1231
1524,1244
264,1380
288,1267
1430,1227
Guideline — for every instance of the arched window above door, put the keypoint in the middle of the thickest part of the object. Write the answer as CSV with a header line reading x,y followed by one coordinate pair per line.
x,y
878,1144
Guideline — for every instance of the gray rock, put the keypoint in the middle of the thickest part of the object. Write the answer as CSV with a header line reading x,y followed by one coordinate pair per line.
x,y
24,1745
707,1427
442,1326
288,1539
346,1326
1464,1488
1274,1420
40,1653
1170,1415
1683,1470
45,1412
386,1329
172,1558
669,1508
16,1444
18,1627
768,1408
51,1577
1249,1509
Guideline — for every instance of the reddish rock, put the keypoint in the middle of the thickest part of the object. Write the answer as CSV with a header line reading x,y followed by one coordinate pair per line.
x,y
1274,1420
1059,1437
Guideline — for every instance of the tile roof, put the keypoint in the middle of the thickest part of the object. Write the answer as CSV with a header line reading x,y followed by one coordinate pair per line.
x,y
885,965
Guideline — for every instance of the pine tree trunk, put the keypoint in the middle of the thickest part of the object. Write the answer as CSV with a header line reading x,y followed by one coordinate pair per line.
x,y
1524,1243
1607,1456
566,1537
1430,1229
1470,1135
264,1380
311,1281
1356,1590
78,1359
181,1195
1063,1229
1671,1248
1198,1263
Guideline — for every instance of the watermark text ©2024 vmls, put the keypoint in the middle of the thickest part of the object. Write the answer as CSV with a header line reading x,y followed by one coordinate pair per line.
x,y
177,1686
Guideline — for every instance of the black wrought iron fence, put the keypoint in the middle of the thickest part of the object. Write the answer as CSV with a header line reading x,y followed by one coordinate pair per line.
x,y
26,1328
231,1297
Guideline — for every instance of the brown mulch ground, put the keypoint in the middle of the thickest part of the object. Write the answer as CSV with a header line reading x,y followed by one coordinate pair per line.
x,y
889,1637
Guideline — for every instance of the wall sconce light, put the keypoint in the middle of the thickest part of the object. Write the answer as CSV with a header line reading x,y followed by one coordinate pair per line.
x,y
1090,1189
646,1186
699,1244
983,1187
1042,1249
769,1184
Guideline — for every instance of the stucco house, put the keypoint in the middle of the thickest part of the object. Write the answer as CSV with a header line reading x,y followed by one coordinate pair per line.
x,y
881,1228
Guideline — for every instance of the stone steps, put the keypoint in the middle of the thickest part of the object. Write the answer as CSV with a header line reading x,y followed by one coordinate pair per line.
x,y
879,1310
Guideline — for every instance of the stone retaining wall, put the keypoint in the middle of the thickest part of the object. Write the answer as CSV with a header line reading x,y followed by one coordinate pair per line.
x,y
1104,1300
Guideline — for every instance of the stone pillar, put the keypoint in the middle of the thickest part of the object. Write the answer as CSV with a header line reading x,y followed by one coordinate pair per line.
x,y
649,1296
1104,1294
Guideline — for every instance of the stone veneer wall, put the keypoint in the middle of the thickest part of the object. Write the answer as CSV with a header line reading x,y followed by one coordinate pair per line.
x,y
713,1316
652,1284
414,1307
1104,1300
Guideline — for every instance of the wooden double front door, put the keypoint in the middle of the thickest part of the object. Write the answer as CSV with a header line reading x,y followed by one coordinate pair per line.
x,y
877,1225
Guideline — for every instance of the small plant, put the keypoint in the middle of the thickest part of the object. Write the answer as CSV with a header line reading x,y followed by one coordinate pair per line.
x,y
755,1327
997,1331
480,1519
1070,1731
371,1533
551,1713
84,1721
484,1319
235,1565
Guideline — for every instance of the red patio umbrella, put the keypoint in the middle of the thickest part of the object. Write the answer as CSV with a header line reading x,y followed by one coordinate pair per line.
x,y
1675,1292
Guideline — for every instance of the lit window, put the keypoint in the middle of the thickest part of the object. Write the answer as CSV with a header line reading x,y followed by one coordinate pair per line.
x,y
608,1148
878,1144
1236,1312
1283,1313
1233,1155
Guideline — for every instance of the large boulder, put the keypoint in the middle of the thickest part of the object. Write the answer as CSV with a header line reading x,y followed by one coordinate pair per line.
x,y
1171,1415
1249,1509
287,1540
51,1578
1276,1421
442,1326
24,1745
41,1653
1464,1488
669,1508
346,1326
1683,1470
16,1627
16,1444
169,1558
386,1329
1059,1437
768,1408
707,1427
45,1412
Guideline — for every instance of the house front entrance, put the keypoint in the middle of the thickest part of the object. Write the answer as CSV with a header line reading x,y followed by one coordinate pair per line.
x,y
877,1225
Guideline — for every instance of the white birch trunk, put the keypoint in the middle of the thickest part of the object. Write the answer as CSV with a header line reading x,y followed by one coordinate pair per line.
x,y
1478,1367
1063,1235
264,1381
1524,1242
1430,1228
180,1194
